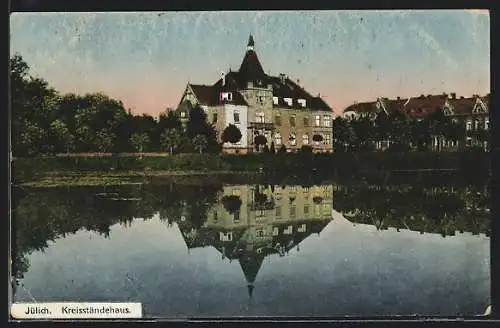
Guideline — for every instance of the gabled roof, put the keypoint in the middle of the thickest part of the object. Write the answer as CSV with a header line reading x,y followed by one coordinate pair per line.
x,y
423,106
210,94
462,106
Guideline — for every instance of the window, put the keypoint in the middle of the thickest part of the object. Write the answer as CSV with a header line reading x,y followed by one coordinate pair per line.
x,y
261,100
468,125
328,139
215,216
275,100
236,218
476,125
292,120
468,142
306,121
306,209
226,96
277,119
293,140
302,102
183,114
289,101
276,231
214,118
259,117
326,209
317,120
260,233
236,117
326,120
292,210
486,124
305,139
277,139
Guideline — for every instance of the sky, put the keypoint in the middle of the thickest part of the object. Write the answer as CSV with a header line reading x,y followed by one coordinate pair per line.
x,y
146,59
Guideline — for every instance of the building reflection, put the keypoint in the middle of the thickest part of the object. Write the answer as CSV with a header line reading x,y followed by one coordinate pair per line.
x,y
443,210
252,222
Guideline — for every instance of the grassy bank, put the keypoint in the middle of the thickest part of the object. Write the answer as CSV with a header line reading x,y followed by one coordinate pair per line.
x,y
126,168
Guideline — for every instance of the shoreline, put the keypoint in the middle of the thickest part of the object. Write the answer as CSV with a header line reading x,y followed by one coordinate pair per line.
x,y
88,179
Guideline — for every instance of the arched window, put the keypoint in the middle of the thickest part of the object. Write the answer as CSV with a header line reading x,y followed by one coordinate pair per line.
x,y
305,139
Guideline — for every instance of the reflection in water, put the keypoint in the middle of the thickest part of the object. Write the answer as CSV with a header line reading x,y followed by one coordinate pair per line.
x,y
244,223
252,222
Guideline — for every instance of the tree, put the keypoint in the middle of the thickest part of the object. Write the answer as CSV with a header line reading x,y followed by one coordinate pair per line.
x,y
342,134
104,140
200,143
259,141
62,139
170,139
231,134
139,141
198,125
231,203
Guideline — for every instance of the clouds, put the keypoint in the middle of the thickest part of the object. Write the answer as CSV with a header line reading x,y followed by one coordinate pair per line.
x,y
144,58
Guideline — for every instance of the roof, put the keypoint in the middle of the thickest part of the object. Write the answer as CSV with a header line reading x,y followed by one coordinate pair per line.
x,y
209,94
423,106
364,107
251,71
462,105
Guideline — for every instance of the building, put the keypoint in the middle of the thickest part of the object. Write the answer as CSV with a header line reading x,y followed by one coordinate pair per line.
x,y
260,104
471,113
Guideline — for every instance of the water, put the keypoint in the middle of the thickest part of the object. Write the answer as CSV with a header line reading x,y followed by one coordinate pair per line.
x,y
257,250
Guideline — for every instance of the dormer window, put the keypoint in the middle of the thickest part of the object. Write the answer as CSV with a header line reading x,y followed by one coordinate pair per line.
x,y
302,102
289,101
226,96
275,100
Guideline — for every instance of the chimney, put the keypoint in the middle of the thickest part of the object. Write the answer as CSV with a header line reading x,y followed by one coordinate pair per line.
x,y
223,77
453,95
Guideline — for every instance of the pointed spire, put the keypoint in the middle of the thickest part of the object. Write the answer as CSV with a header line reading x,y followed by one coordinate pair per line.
x,y
251,43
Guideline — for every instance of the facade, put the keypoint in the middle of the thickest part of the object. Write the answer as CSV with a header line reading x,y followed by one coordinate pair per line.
x,y
472,113
260,104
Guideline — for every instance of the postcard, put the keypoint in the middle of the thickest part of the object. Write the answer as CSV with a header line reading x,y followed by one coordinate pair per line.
x,y
270,164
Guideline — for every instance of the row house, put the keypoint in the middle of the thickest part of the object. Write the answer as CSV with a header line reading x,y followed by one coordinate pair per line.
x,y
472,113
260,104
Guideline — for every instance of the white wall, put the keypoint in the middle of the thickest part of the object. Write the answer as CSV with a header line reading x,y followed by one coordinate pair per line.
x,y
229,110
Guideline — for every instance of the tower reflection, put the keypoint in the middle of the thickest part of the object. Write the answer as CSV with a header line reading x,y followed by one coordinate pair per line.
x,y
251,222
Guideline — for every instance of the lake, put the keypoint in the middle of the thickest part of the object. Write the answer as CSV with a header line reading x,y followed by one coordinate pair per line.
x,y
301,250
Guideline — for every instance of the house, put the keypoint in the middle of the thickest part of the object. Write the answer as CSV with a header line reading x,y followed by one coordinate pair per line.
x,y
472,113
260,104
